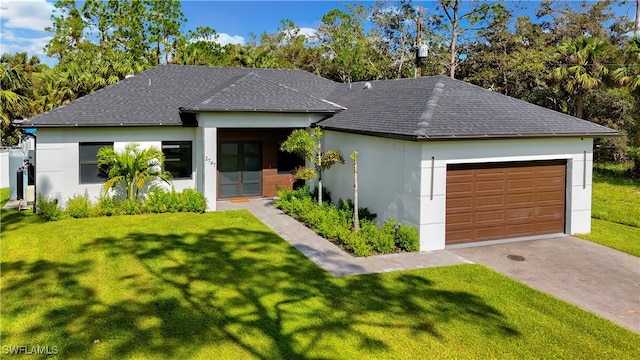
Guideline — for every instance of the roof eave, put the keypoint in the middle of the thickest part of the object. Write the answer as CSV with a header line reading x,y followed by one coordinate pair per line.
x,y
295,111
468,137
101,125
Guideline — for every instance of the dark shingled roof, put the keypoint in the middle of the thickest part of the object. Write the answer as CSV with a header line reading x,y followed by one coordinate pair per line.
x,y
439,107
252,92
425,108
155,96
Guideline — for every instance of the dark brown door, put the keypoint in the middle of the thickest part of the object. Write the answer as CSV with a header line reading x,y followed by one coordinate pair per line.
x,y
239,169
502,201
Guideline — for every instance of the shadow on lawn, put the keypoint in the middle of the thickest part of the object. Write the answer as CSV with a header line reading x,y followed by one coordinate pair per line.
x,y
247,290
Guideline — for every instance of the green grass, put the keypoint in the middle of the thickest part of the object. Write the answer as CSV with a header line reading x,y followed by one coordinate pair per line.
x,y
616,200
222,285
615,209
5,196
621,237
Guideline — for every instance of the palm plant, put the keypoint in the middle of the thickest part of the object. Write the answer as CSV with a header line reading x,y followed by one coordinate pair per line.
x,y
308,146
580,70
133,167
630,75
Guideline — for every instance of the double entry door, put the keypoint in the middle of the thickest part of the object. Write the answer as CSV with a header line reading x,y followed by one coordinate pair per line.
x,y
239,169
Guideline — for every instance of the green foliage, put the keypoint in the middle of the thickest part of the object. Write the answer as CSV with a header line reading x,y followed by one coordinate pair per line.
x,y
634,155
133,167
161,201
381,240
48,209
192,200
79,206
335,223
307,145
131,207
107,206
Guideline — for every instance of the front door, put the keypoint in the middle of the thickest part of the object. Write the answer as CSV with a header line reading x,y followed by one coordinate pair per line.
x,y
240,169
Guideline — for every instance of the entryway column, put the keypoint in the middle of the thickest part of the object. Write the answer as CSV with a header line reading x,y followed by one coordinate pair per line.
x,y
210,156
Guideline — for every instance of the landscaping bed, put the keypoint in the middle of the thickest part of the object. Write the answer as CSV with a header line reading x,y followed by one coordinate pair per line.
x,y
336,224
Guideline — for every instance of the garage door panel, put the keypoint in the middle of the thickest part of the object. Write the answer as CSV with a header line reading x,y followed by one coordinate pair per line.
x,y
498,201
460,188
520,230
460,219
493,217
520,200
520,184
489,201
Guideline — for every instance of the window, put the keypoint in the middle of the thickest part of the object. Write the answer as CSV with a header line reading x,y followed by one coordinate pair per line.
x,y
178,158
90,173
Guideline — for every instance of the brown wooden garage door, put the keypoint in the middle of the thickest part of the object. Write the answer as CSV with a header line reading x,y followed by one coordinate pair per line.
x,y
502,201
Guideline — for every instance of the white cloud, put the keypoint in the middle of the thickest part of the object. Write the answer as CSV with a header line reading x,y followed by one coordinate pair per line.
x,y
308,32
224,39
10,42
26,14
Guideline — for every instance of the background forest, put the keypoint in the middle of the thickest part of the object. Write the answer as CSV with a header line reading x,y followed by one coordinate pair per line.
x,y
581,58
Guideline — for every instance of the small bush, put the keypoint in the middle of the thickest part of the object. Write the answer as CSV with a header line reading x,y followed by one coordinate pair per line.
x,y
107,206
79,206
381,241
405,237
161,201
192,201
131,207
48,209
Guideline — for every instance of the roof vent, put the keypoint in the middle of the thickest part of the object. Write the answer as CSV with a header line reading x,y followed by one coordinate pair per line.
x,y
367,85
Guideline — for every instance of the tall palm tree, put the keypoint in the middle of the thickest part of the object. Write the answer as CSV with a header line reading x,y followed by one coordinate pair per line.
x,y
133,167
630,75
580,70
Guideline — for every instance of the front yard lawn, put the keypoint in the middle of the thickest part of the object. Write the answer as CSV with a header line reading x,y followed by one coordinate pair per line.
x,y
615,211
222,285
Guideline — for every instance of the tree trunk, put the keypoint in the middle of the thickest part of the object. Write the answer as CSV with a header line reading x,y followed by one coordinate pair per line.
x,y
356,218
579,105
454,37
319,173
636,29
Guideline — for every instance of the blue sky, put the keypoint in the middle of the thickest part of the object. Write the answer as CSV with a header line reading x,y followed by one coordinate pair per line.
x,y
22,22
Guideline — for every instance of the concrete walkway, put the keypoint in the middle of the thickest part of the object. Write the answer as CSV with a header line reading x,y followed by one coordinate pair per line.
x,y
330,257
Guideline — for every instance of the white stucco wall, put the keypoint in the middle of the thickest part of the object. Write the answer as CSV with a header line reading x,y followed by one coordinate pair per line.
x,y
395,176
57,158
388,175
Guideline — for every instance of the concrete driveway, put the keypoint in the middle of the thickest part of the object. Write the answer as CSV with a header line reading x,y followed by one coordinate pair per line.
x,y
594,277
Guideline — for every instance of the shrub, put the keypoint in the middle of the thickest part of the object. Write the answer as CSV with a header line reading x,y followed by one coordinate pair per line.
x,y
405,237
161,201
107,206
79,206
192,201
381,241
131,207
48,209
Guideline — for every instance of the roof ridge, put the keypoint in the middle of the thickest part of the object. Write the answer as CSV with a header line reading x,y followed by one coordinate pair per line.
x,y
432,104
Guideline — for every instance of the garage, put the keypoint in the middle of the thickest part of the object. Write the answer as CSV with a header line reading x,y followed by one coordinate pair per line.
x,y
493,201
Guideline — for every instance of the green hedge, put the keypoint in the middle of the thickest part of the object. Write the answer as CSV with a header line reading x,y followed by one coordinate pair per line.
x,y
158,201
335,222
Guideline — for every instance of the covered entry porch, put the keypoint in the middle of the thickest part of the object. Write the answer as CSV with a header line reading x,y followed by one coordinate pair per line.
x,y
241,155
